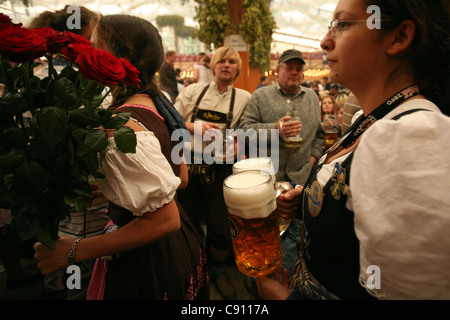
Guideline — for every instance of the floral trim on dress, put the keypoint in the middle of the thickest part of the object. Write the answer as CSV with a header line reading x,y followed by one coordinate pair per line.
x,y
199,278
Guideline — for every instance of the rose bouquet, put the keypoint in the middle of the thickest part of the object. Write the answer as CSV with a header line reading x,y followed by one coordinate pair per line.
x,y
48,159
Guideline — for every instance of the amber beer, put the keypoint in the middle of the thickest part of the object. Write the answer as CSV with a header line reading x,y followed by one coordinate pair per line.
x,y
331,137
296,141
330,123
250,200
293,142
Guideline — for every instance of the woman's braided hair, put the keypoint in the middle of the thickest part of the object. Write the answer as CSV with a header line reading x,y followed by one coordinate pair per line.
x,y
138,41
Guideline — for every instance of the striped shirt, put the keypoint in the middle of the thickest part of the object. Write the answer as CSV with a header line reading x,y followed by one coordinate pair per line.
x,y
85,224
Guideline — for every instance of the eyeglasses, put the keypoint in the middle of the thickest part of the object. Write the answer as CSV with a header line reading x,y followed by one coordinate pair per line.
x,y
337,25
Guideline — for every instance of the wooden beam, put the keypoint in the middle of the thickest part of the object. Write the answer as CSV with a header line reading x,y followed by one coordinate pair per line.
x,y
249,77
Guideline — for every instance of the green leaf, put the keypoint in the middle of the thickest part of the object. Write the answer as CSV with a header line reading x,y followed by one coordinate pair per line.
x,y
16,71
80,204
82,193
79,133
13,103
97,101
53,124
85,117
89,162
69,73
117,121
105,115
98,175
31,178
12,137
96,141
11,159
30,232
65,91
125,140
69,199
44,236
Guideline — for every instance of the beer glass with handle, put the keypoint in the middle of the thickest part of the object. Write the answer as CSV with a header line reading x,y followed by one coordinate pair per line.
x,y
251,205
265,165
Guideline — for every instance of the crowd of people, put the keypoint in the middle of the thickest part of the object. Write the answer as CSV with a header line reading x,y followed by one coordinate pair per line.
x,y
170,236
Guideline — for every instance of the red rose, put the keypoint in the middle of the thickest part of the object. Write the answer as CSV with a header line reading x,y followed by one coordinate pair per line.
x,y
131,77
75,38
56,40
20,44
102,66
6,22
72,51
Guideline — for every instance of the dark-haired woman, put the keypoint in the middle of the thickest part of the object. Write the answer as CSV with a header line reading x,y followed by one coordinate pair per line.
x,y
376,206
156,252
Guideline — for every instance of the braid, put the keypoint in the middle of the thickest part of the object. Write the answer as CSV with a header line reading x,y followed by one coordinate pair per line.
x,y
142,48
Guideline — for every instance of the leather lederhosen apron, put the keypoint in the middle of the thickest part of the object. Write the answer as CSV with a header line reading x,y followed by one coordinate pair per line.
x,y
203,198
211,116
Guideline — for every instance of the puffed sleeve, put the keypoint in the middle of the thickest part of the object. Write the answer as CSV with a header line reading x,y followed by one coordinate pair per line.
x,y
140,182
400,190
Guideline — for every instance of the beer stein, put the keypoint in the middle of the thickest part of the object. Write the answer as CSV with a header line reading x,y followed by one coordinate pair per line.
x,y
251,206
265,165
330,125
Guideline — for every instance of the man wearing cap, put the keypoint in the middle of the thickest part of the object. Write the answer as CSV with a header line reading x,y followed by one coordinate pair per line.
x,y
270,105
267,108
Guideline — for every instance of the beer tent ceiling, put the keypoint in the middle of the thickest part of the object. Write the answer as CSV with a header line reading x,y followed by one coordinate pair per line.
x,y
300,23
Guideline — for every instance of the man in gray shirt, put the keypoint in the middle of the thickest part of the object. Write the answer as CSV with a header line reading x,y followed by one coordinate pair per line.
x,y
269,107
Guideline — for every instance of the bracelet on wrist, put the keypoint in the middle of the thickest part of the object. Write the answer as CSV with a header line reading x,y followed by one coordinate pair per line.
x,y
72,253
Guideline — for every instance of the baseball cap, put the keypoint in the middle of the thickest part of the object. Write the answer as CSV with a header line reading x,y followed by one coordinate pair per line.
x,y
291,54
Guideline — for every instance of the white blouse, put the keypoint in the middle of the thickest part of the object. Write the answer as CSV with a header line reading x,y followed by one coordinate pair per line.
x,y
140,182
400,190
400,195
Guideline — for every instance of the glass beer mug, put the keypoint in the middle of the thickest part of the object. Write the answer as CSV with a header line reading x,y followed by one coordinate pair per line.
x,y
251,206
330,125
297,140
265,165
227,148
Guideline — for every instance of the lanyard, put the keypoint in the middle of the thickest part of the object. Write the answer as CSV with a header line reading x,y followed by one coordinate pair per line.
x,y
363,123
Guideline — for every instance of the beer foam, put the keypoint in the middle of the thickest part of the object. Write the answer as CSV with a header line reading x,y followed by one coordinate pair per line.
x,y
249,195
263,164
256,163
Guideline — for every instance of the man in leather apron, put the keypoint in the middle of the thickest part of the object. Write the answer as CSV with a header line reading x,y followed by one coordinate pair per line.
x,y
207,108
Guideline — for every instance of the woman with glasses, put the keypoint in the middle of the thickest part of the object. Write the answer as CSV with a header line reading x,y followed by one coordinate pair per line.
x,y
375,207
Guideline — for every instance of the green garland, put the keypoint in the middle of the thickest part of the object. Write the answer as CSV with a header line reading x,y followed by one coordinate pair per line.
x,y
214,20
177,23
256,28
